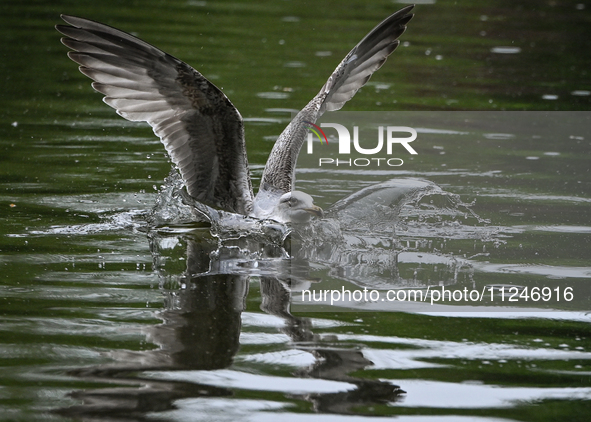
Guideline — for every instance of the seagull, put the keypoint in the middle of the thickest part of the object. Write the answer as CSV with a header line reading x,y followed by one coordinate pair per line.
x,y
201,129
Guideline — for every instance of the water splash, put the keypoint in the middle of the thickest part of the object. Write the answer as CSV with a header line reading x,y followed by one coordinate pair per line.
x,y
402,232
171,208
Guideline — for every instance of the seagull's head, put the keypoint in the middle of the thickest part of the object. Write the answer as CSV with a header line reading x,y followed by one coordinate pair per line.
x,y
297,207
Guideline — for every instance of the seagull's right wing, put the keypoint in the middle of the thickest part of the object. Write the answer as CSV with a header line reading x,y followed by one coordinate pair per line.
x,y
350,75
198,125
368,56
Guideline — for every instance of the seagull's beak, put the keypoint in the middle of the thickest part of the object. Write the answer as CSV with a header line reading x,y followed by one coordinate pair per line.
x,y
315,210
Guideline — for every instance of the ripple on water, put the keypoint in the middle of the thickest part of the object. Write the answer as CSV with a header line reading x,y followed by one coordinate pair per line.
x,y
505,50
264,120
281,110
561,229
418,351
273,95
294,64
437,394
227,378
290,358
499,136
379,86
549,271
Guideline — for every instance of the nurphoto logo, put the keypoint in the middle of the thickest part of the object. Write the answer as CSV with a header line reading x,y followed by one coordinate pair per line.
x,y
390,137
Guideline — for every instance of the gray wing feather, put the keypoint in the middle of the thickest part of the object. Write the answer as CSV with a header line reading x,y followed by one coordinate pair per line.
x,y
350,75
200,128
361,62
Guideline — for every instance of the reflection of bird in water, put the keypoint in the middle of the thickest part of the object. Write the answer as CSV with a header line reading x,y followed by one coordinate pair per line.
x,y
201,129
200,331
333,361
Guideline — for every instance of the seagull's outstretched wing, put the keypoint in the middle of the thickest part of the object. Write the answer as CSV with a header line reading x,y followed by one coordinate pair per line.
x,y
350,75
200,128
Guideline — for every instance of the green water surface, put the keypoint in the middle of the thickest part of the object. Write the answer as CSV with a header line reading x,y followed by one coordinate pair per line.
x,y
89,330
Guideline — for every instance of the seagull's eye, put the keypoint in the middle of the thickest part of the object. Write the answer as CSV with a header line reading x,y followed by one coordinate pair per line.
x,y
293,201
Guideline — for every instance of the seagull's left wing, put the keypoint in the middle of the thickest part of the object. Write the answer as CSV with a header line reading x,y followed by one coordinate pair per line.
x,y
198,125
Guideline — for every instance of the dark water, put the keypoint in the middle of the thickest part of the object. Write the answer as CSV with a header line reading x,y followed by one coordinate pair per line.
x,y
104,318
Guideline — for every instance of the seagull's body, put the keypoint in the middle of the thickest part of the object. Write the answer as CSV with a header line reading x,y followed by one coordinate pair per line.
x,y
201,129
